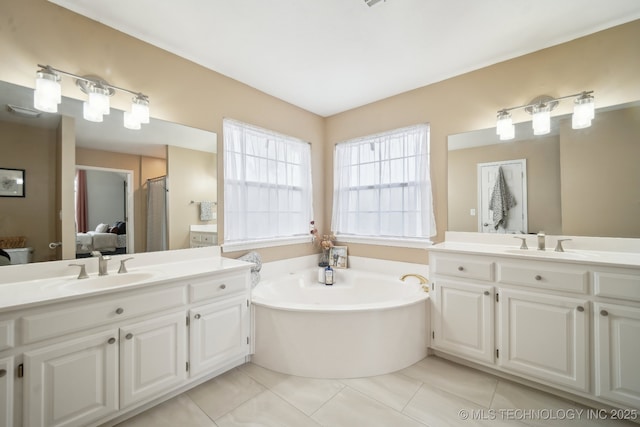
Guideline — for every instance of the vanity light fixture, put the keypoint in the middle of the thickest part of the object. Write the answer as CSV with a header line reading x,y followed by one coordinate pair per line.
x,y
48,95
540,109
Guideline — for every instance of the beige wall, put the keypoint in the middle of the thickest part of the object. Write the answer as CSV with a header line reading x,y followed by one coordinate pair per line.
x,y
543,177
192,177
601,176
606,62
34,150
36,31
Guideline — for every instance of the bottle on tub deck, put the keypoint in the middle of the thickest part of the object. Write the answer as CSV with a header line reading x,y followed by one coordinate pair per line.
x,y
328,275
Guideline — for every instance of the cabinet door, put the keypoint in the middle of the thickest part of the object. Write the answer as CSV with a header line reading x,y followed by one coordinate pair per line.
x,y
153,357
463,320
71,383
6,392
545,337
219,333
617,334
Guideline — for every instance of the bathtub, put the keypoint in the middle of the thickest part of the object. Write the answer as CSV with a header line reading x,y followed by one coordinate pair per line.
x,y
364,325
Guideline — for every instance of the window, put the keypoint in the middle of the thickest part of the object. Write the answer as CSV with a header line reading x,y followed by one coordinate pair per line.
x,y
267,187
382,188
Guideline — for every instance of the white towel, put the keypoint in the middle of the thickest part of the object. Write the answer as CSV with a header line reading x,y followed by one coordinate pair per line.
x,y
206,211
501,201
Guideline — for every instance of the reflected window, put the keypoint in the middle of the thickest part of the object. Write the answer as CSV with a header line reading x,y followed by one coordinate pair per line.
x,y
267,185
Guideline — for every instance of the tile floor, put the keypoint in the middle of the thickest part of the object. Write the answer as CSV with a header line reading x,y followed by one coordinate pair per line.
x,y
433,392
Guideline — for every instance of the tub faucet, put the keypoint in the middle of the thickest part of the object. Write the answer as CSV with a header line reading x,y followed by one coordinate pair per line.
x,y
541,242
423,280
102,262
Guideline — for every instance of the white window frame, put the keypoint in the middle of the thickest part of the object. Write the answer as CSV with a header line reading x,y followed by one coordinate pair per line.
x,y
425,188
301,185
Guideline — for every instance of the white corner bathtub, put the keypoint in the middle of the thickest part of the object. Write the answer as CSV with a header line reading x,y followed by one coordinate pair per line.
x,y
365,324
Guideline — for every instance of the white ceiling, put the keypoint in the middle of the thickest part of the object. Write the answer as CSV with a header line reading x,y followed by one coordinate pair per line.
x,y
328,56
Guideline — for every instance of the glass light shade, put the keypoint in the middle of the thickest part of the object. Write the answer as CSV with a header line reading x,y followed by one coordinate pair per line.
x,y
541,120
583,112
504,126
99,100
91,114
48,93
131,121
140,110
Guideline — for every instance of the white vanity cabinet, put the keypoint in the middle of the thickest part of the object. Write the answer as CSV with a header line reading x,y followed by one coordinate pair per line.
x,y
570,325
153,357
463,319
6,392
617,335
90,359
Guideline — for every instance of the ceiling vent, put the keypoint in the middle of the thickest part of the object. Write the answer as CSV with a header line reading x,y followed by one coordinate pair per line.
x,y
373,2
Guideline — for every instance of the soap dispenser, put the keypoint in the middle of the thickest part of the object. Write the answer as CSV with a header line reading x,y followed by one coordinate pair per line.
x,y
328,275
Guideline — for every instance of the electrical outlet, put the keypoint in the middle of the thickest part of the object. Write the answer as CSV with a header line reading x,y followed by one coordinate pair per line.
x,y
472,212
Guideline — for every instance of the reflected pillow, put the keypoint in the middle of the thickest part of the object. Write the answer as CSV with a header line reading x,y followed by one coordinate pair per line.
x,y
102,228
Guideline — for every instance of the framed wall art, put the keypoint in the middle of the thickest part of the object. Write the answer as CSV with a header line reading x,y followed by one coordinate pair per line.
x,y
11,182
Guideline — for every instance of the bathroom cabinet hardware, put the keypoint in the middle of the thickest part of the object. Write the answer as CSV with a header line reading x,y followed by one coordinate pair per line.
x,y
197,316
497,297
187,320
486,292
538,277
129,336
111,340
187,366
523,246
460,268
223,286
20,370
433,335
497,353
119,310
247,340
604,312
123,268
580,308
247,303
3,372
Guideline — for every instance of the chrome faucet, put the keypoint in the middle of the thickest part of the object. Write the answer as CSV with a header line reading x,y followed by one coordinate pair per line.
x,y
541,242
102,262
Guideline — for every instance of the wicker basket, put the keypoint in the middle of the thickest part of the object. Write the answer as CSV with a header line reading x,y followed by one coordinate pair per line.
x,y
12,242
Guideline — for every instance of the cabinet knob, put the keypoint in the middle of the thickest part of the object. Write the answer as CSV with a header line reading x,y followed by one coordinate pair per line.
x,y
223,286
604,312
486,292
580,308
111,340
538,277
460,268
119,310
3,372
197,316
129,336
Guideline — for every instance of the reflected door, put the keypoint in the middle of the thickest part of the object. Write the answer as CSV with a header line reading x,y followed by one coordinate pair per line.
x,y
515,176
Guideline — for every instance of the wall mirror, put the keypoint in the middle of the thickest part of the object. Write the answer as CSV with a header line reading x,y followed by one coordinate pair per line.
x,y
108,152
583,182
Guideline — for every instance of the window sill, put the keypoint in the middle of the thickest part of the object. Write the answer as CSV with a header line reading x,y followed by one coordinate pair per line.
x,y
381,241
258,244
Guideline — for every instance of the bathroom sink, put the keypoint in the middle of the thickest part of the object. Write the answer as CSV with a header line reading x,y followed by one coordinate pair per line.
x,y
549,253
110,281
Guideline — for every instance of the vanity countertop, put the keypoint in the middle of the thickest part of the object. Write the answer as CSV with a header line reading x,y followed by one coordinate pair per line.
x,y
34,290
579,256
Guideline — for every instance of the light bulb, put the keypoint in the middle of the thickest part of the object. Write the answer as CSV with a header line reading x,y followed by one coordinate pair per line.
x,y
583,111
99,99
504,126
541,120
131,121
48,93
91,114
140,109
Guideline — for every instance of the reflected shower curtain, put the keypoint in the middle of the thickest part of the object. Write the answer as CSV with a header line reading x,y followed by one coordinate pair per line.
x,y
157,214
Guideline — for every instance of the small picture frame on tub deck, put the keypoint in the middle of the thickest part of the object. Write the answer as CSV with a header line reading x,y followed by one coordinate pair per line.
x,y
338,257
11,182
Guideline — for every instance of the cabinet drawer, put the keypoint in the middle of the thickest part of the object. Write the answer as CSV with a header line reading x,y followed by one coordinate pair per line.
x,y
196,237
216,286
6,334
82,315
461,266
622,284
544,276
